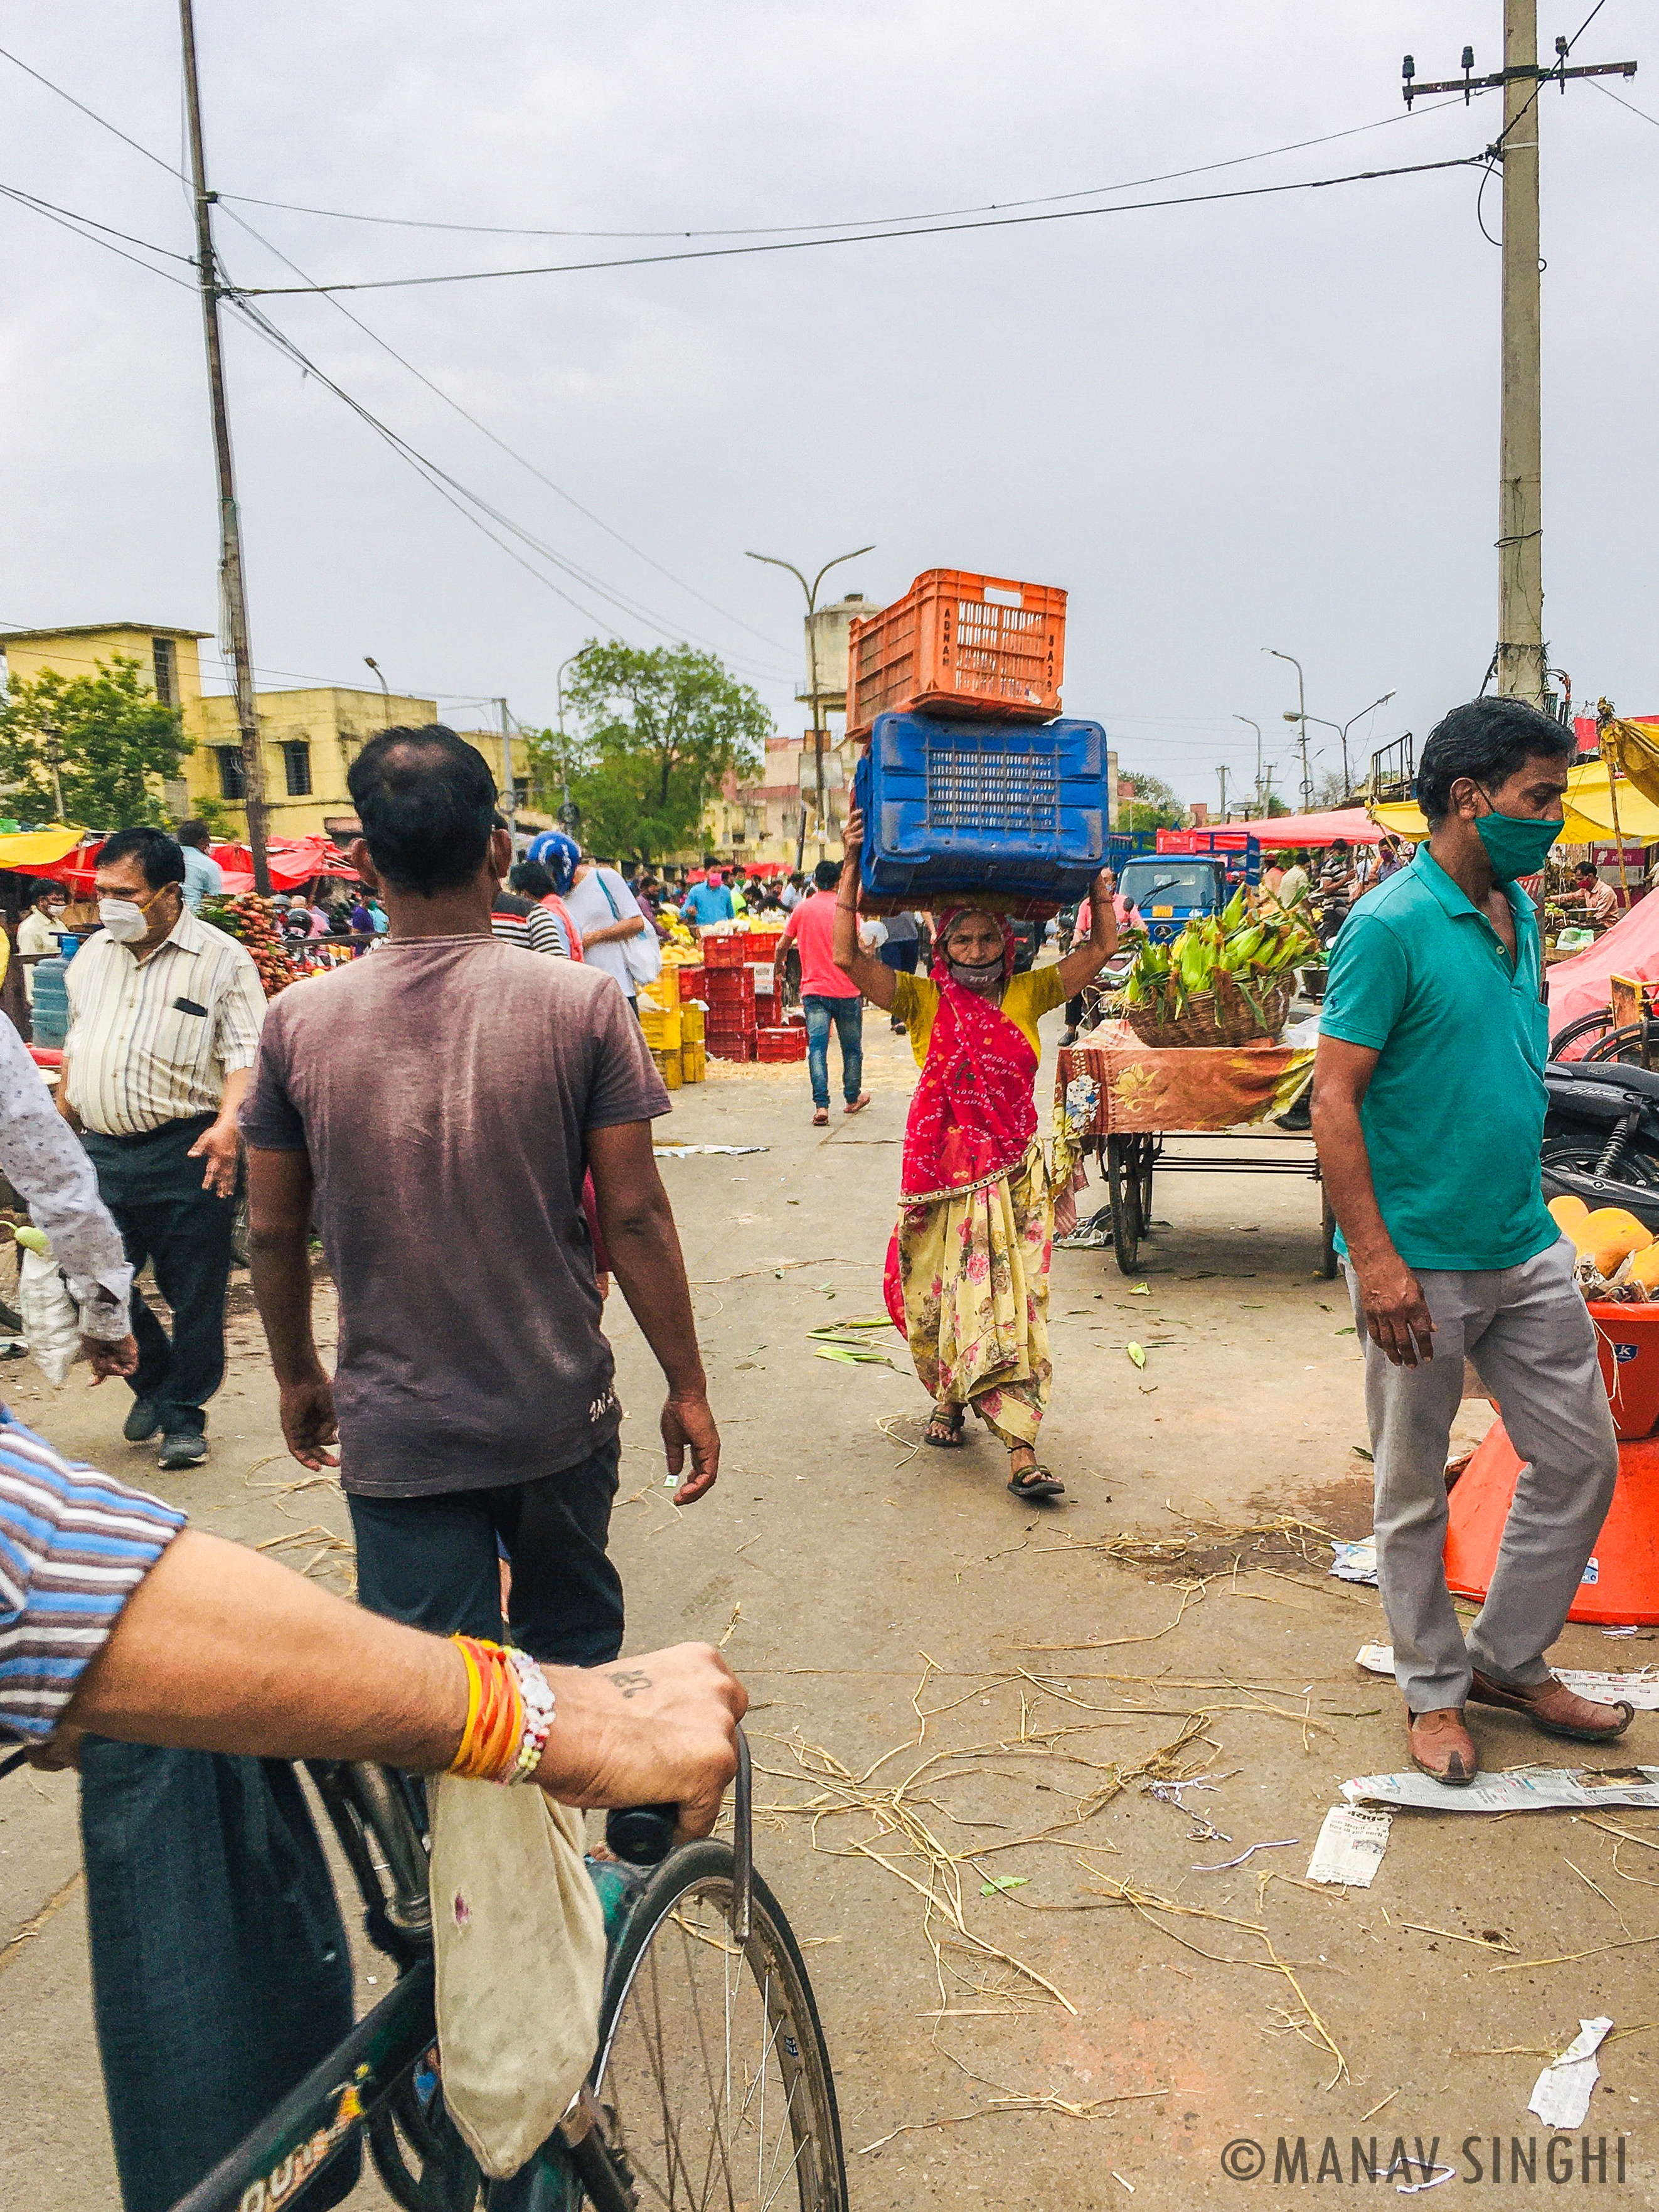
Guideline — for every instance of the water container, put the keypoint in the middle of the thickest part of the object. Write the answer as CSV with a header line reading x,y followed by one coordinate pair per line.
x,y
50,1009
956,806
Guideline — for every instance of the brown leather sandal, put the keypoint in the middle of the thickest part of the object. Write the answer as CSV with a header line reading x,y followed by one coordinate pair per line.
x,y
1483,1691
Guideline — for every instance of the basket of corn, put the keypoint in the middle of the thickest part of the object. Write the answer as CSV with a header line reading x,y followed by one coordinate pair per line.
x,y
1228,977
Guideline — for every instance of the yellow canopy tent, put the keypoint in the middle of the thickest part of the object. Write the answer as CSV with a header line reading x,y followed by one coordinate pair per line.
x,y
1590,802
38,848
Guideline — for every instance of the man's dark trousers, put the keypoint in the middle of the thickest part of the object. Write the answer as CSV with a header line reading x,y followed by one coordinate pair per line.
x,y
154,1192
433,1562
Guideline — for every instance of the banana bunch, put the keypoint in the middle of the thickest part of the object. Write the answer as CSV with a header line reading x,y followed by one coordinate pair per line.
x,y
1245,946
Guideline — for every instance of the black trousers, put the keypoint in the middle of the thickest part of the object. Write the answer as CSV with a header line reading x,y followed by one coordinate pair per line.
x,y
155,1194
434,1561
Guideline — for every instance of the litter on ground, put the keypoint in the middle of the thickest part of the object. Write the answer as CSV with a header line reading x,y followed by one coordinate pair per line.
x,y
1562,2093
1523,1789
1349,1847
1640,1690
1357,1563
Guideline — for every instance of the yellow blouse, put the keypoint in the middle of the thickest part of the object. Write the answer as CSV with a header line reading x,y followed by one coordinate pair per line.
x,y
1026,999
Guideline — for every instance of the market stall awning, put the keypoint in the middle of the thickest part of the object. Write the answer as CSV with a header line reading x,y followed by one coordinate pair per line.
x,y
36,850
1587,812
1352,824
294,861
1630,947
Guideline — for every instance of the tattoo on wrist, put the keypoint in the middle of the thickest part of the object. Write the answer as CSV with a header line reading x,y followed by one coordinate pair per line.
x,y
629,1680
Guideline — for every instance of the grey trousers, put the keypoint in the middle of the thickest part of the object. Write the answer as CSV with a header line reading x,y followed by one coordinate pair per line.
x,y
1533,1344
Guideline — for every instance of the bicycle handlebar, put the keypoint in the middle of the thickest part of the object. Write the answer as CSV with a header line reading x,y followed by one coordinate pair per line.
x,y
644,1836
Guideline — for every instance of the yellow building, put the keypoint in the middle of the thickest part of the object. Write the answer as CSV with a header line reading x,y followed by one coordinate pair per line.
x,y
309,739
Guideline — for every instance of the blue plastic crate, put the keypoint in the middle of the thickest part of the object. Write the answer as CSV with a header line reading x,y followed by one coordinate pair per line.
x,y
955,806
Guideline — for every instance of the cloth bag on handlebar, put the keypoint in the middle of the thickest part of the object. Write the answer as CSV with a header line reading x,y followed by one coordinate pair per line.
x,y
520,1938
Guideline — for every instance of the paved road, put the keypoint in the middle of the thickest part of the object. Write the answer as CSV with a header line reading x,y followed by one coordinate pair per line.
x,y
1134,2013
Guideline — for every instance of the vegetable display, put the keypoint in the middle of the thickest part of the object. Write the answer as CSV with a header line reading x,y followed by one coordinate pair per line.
x,y
1236,946
251,921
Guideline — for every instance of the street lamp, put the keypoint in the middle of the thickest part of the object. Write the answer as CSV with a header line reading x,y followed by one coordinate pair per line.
x,y
1301,715
1256,726
567,810
1343,728
811,592
369,661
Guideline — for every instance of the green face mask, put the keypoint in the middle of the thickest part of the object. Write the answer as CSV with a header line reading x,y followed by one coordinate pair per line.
x,y
1515,844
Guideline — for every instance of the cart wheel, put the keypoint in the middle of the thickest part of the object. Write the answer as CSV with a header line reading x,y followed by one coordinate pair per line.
x,y
1327,1237
1123,1183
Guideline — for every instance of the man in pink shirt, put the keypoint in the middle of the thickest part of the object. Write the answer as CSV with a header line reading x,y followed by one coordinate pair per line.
x,y
827,994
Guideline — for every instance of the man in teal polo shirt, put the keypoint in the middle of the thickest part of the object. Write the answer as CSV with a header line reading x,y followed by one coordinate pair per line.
x,y
1428,1112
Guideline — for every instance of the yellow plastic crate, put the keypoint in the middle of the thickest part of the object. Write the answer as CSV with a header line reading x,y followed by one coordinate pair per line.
x,y
668,1067
662,1028
664,991
693,1063
692,1030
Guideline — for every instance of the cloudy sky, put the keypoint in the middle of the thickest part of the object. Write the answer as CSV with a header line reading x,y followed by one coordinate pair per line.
x,y
1269,421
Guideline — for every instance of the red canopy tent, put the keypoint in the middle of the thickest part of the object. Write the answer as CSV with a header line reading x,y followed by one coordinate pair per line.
x,y
1276,832
1630,947
294,861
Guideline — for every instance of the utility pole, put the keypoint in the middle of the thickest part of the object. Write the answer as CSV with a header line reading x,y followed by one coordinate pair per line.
x,y
231,588
1222,772
1256,726
1521,655
566,813
811,592
509,785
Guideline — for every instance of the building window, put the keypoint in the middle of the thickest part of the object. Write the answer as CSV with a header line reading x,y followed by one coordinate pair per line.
x,y
231,784
296,761
164,653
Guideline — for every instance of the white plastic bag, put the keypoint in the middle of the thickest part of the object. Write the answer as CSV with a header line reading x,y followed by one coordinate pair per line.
x,y
51,1320
520,1936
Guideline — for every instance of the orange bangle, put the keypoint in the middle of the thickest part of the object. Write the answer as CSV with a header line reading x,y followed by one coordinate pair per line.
x,y
490,1745
474,1698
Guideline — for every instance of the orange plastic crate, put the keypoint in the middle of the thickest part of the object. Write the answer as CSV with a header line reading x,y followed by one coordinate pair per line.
x,y
960,644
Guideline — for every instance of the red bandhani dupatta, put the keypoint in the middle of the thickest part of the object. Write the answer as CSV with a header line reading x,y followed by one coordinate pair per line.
x,y
972,1116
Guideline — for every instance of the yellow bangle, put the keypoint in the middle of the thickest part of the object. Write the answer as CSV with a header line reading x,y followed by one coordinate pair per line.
x,y
474,1699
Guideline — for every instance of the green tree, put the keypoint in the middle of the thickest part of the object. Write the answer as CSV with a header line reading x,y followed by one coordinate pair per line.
x,y
658,732
1154,805
107,736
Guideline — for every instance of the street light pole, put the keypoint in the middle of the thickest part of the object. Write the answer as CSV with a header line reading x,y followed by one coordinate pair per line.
x,y
509,783
1301,716
231,577
811,592
564,749
369,661
1256,726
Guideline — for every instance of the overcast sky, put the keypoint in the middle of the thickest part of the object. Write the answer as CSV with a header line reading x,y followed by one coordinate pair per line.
x,y
1267,422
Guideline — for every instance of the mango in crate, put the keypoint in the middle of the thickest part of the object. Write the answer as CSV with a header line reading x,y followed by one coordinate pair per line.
x,y
1569,1213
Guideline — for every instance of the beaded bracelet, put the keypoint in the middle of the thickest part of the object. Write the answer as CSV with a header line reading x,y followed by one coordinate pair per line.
x,y
510,1707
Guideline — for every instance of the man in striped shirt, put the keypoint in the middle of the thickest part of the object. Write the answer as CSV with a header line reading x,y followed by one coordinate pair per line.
x,y
165,1017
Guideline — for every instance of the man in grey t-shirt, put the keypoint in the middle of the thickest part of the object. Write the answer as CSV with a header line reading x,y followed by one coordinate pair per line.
x,y
436,1109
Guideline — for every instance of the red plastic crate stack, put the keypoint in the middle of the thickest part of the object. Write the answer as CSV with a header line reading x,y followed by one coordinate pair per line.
x,y
727,950
730,990
781,1044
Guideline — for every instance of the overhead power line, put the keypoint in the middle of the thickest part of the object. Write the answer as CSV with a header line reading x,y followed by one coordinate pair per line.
x,y
847,222
859,238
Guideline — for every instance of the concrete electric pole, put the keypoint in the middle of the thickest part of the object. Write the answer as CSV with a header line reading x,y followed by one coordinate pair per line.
x,y
232,587
1222,772
1522,658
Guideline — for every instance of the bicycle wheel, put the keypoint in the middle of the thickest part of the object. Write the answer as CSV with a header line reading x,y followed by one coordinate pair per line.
x,y
712,2066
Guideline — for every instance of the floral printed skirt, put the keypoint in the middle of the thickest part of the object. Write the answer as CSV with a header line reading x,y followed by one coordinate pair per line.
x,y
974,1276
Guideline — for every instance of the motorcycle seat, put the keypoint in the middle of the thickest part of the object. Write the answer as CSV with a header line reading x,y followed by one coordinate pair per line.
x,y
1618,1075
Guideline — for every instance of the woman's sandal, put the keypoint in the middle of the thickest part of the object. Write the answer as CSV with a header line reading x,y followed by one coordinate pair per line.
x,y
1035,1482
944,1430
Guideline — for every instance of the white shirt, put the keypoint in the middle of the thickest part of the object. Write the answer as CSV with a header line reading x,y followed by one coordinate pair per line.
x,y
42,1160
590,909
34,934
153,1044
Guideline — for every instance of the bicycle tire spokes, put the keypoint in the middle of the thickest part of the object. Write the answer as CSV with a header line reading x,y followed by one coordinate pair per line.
x,y
713,2075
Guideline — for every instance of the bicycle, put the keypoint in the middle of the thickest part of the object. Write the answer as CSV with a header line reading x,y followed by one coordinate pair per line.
x,y
699,2092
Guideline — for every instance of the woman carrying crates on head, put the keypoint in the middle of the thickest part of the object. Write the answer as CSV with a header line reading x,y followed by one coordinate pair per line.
x,y
967,1271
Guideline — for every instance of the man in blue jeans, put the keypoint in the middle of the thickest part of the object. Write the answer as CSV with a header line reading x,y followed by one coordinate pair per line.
x,y
827,995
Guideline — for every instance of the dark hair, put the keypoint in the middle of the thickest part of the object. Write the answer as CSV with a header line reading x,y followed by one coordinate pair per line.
x,y
1587,868
426,804
194,833
160,857
1487,739
531,878
826,875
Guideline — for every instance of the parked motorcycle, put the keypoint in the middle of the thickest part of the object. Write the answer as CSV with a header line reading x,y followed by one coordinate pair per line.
x,y
1602,1136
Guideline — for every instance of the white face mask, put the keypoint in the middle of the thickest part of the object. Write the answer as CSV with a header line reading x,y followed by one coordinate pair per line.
x,y
125,918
